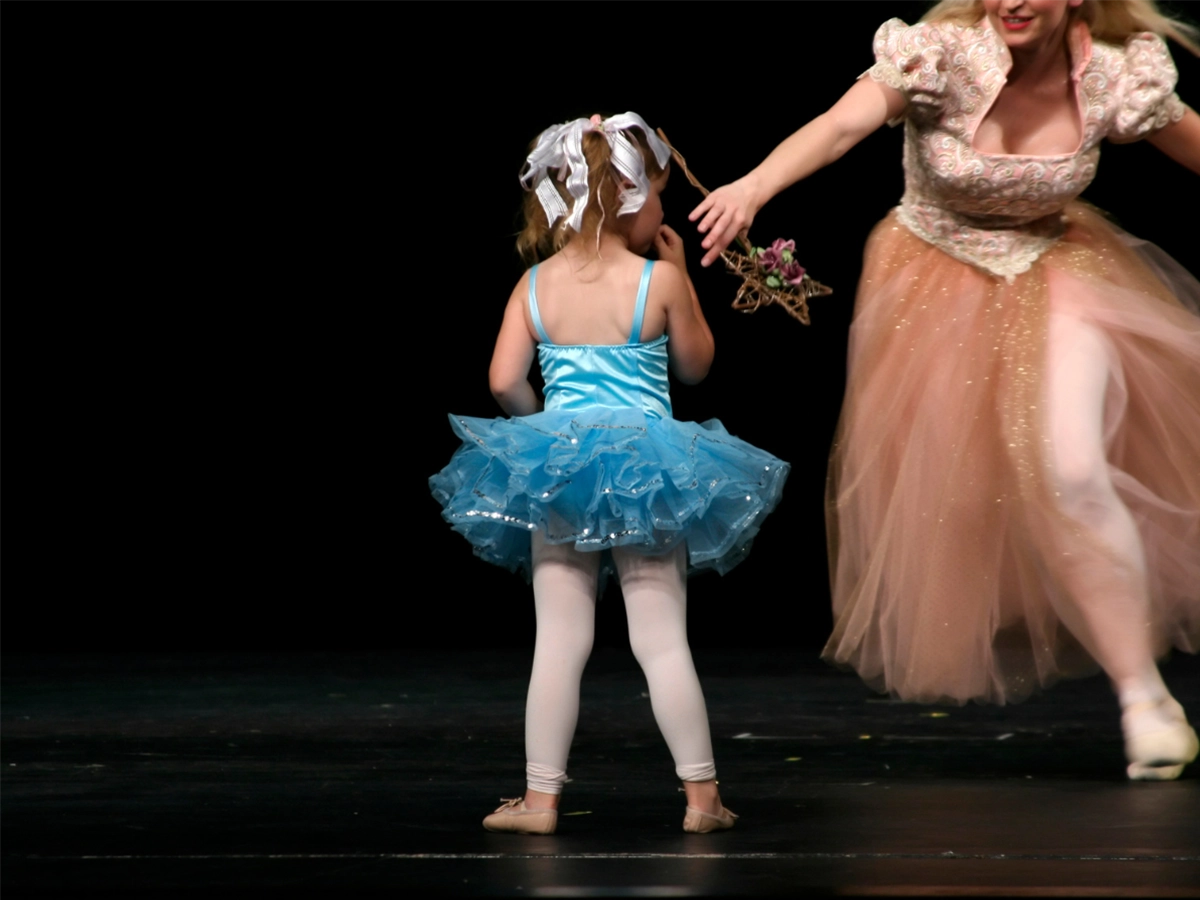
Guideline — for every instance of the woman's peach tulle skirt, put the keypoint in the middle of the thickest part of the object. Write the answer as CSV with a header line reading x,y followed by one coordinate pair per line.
x,y
948,554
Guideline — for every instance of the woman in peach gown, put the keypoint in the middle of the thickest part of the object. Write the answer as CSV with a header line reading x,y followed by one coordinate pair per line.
x,y
1014,490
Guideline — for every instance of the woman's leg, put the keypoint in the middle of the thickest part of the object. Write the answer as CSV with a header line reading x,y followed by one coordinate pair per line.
x,y
1113,618
1113,624
655,591
564,595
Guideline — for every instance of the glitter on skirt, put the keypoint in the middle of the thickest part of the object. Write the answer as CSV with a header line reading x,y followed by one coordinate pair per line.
x,y
605,477
948,554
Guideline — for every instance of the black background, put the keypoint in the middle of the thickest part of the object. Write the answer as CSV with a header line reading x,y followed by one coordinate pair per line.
x,y
258,252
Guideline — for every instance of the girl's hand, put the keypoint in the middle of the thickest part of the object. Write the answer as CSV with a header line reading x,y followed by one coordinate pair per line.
x,y
669,246
727,211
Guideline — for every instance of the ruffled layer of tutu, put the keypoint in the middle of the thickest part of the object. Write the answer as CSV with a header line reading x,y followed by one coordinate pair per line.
x,y
956,574
607,478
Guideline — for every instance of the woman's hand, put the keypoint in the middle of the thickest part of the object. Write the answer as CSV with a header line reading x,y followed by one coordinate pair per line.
x,y
727,211
731,209
669,247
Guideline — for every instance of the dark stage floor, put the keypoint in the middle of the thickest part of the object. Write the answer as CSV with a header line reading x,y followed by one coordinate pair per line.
x,y
364,773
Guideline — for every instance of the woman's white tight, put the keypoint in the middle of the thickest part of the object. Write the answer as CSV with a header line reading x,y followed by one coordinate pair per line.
x,y
655,591
1114,625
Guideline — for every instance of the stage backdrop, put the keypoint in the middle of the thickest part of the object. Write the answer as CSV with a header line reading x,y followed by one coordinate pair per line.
x,y
274,447
725,103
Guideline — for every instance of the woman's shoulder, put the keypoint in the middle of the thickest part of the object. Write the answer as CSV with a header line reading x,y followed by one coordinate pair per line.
x,y
925,61
1141,52
1139,76
926,50
925,34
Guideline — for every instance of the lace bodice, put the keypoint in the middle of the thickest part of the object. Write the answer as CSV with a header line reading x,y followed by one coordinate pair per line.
x,y
1000,212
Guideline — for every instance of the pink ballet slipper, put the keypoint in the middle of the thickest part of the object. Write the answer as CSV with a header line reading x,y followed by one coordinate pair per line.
x,y
697,821
512,816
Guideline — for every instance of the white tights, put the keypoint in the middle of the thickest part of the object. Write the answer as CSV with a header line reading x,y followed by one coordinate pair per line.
x,y
1114,627
655,591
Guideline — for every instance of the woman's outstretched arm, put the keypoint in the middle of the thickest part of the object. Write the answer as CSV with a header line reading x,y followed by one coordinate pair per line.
x,y
1181,140
730,209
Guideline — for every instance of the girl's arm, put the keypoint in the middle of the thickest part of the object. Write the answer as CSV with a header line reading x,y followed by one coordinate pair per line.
x,y
690,348
508,375
1181,140
730,209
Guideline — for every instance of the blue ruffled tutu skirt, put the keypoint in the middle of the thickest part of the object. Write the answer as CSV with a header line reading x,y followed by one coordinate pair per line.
x,y
607,478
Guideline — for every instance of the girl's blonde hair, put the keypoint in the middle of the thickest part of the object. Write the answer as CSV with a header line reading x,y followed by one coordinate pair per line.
x,y
539,240
1110,21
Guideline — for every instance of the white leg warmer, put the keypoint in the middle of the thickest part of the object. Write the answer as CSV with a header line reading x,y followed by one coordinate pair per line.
x,y
655,590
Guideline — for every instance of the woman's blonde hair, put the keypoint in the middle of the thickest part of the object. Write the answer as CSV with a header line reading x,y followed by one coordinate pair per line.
x,y
538,239
1110,21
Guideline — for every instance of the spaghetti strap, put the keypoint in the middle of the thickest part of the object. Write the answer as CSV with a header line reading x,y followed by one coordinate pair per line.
x,y
533,307
639,310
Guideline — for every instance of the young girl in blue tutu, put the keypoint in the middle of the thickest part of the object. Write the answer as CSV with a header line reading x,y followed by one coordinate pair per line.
x,y
601,465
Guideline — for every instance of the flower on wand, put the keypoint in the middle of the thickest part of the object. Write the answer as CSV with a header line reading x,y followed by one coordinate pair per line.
x,y
779,263
770,275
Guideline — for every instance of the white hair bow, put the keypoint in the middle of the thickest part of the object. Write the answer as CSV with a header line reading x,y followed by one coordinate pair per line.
x,y
561,148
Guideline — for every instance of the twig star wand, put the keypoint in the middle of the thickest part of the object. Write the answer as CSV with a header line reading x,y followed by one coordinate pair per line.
x,y
769,275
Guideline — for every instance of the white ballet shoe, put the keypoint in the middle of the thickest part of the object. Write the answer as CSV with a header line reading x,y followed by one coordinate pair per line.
x,y
1158,740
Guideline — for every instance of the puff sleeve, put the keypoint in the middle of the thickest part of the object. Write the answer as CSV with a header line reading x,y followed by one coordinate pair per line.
x,y
912,60
1145,96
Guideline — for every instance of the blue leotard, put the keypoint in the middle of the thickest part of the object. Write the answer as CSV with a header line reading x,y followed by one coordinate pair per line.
x,y
605,465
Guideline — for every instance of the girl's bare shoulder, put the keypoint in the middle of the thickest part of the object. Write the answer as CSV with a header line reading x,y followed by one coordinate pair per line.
x,y
520,291
668,284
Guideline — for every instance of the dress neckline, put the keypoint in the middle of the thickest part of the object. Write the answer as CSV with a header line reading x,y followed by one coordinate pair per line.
x,y
1079,51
